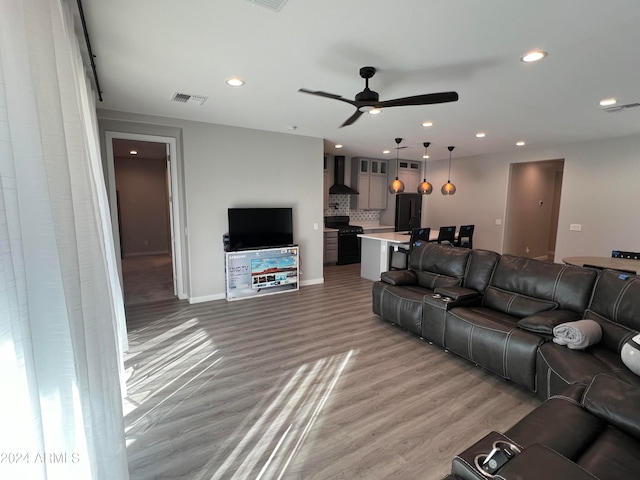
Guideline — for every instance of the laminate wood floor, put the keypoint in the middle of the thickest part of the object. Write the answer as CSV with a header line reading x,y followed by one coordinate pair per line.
x,y
300,385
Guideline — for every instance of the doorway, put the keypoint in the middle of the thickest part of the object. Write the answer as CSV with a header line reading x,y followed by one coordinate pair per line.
x,y
145,216
533,208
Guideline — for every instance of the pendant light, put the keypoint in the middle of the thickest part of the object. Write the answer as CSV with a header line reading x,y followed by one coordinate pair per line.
x,y
425,188
449,188
396,186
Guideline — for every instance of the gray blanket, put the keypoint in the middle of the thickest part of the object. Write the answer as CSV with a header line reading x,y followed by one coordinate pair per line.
x,y
577,335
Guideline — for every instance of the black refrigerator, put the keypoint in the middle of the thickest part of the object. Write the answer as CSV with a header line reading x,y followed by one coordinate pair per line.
x,y
408,211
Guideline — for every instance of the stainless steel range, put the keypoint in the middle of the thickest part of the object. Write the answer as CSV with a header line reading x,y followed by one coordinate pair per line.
x,y
348,241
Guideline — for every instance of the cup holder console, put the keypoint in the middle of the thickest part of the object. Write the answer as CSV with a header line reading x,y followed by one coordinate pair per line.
x,y
489,463
486,457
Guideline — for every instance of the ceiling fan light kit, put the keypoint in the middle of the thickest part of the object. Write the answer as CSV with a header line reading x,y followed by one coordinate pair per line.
x,y
396,186
449,188
369,101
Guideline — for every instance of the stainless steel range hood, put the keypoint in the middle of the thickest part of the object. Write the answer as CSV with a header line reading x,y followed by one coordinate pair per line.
x,y
338,178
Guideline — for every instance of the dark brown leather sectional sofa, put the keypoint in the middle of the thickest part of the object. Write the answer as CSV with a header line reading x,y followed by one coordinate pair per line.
x,y
499,312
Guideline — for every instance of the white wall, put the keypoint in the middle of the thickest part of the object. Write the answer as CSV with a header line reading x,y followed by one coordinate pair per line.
x,y
226,167
599,191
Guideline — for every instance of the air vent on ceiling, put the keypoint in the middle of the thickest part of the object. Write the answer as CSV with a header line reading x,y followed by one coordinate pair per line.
x,y
188,98
275,5
621,108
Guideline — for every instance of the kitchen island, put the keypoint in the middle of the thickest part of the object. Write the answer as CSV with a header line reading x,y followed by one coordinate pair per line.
x,y
375,251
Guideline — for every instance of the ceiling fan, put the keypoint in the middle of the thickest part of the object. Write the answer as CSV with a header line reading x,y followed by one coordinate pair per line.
x,y
367,99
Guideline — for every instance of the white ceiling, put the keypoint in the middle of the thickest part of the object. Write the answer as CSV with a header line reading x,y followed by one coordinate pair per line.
x,y
146,50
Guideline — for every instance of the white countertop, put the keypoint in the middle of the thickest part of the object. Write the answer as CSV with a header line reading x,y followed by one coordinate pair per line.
x,y
372,225
391,237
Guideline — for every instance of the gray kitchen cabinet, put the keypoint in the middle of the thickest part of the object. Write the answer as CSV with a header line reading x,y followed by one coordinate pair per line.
x,y
370,178
409,174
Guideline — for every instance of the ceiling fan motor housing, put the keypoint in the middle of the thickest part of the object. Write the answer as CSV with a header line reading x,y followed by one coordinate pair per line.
x,y
367,95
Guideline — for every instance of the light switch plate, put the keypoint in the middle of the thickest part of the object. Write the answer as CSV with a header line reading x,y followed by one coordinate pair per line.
x,y
576,227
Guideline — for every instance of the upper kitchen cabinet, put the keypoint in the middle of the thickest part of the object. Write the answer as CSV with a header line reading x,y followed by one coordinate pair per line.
x,y
370,178
409,174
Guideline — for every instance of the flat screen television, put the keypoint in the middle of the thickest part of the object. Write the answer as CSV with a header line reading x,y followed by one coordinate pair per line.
x,y
251,228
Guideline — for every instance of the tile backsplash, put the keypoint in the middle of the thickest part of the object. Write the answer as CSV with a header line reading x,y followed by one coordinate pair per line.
x,y
343,203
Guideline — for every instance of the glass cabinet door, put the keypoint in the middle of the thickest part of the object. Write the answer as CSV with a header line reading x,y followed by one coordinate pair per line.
x,y
374,166
364,166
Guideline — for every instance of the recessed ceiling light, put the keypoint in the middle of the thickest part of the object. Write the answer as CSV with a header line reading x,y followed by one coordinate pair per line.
x,y
374,111
607,102
520,143
133,152
481,135
235,82
425,156
386,151
427,124
338,145
533,56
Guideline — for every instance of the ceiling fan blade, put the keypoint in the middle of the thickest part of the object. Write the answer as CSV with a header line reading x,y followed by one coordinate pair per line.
x,y
320,93
427,99
352,118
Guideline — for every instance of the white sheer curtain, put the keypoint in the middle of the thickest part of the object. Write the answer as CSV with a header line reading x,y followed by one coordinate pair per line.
x,y
62,329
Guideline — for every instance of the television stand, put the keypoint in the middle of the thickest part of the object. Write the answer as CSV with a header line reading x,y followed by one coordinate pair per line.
x,y
262,271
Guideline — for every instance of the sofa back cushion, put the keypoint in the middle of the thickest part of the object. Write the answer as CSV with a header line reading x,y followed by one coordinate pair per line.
x,y
567,286
616,306
515,304
438,265
479,269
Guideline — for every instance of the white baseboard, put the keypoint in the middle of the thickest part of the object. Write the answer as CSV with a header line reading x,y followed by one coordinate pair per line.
x,y
313,281
207,298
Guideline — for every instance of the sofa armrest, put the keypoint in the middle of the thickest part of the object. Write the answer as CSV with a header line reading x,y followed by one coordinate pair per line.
x,y
457,293
544,322
399,277
539,461
615,402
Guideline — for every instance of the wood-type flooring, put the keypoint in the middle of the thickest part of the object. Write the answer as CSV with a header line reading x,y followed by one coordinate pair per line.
x,y
301,385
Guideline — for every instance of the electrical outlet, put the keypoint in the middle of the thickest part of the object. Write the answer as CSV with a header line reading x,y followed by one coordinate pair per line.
x,y
527,250
576,227
498,221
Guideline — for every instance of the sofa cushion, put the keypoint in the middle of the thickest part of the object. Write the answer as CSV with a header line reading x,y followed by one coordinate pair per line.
x,y
543,322
615,402
479,269
515,304
434,280
614,335
614,455
399,277
491,339
570,287
616,307
439,259
558,366
401,305
559,423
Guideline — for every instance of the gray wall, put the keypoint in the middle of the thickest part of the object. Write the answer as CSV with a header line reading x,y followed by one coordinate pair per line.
x,y
599,191
226,167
